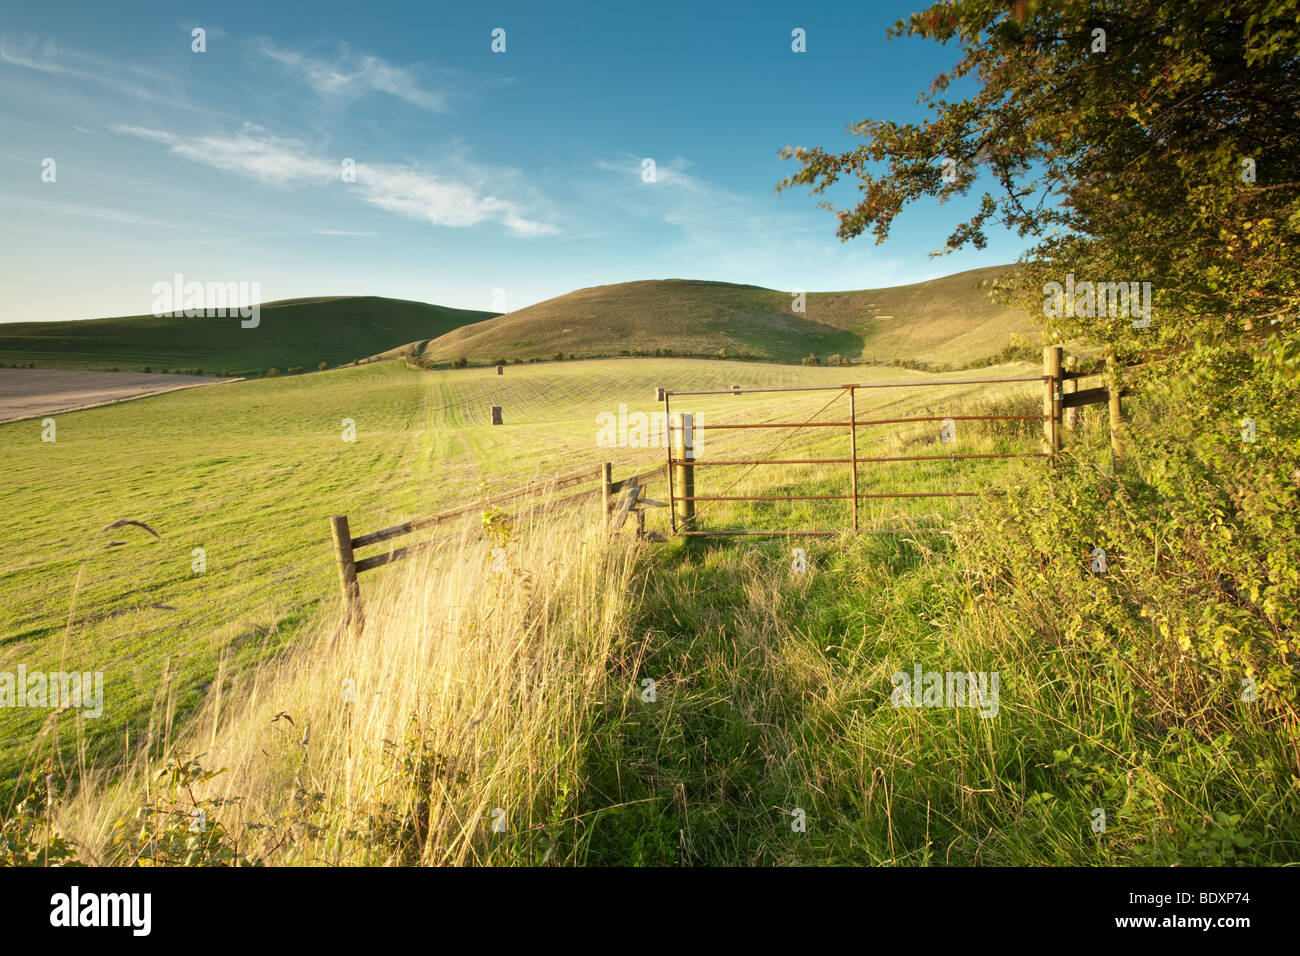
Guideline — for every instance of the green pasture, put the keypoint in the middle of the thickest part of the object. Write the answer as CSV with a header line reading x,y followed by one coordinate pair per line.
x,y
249,472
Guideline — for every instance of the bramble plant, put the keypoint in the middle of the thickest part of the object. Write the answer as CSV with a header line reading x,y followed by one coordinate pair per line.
x,y
178,827
497,526
28,836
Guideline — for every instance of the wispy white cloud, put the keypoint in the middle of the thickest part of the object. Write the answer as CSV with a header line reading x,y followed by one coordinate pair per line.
x,y
421,195
156,135
726,232
351,75
128,79
254,153
405,190
82,211
704,211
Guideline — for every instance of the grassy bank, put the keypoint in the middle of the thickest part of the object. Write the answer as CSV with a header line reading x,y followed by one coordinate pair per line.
x,y
706,704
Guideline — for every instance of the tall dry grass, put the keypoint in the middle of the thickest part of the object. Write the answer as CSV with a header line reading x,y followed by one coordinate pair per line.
x,y
448,730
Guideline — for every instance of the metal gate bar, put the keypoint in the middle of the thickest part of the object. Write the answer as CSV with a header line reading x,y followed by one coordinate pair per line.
x,y
823,388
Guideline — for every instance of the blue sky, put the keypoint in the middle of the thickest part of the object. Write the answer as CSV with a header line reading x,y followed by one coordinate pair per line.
x,y
476,170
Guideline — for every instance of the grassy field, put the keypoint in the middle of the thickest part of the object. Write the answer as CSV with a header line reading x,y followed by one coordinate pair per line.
x,y
249,472
948,321
292,333
519,693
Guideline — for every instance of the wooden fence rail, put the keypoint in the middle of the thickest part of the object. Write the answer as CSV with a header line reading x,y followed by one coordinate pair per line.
x,y
619,499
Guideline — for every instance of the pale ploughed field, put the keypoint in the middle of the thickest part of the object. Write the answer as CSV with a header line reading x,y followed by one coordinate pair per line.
x,y
34,392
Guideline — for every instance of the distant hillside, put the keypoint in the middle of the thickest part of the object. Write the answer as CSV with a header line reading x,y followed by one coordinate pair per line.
x,y
292,332
947,321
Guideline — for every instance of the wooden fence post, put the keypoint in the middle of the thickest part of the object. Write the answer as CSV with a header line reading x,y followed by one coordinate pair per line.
x,y
500,370
348,586
496,414
684,445
1114,385
1052,398
606,479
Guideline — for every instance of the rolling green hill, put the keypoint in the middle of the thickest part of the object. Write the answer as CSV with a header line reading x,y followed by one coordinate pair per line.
x,y
291,332
946,321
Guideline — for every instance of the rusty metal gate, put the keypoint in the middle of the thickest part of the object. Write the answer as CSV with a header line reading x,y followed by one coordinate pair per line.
x,y
682,460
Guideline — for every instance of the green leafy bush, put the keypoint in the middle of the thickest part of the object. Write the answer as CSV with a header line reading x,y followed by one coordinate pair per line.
x,y
28,836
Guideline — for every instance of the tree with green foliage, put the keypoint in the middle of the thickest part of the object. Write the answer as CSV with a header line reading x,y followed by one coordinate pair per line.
x,y
1155,139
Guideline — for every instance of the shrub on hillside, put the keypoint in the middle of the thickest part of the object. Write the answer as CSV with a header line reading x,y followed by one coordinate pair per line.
x,y
1019,349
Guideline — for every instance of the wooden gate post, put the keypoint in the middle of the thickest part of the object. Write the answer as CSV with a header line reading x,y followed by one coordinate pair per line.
x,y
606,479
684,451
1114,385
1052,398
348,586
